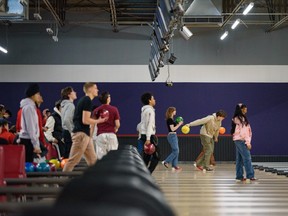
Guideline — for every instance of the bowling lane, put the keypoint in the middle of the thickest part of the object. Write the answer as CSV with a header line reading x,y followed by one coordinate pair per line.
x,y
193,192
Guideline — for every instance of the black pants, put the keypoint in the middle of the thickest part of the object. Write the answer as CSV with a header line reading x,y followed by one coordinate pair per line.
x,y
155,157
67,143
29,154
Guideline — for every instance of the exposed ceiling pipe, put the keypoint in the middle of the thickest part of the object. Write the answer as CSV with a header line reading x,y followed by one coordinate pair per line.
x,y
276,25
113,15
53,12
233,13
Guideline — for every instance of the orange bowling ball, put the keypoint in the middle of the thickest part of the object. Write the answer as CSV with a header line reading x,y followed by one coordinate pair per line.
x,y
63,162
222,130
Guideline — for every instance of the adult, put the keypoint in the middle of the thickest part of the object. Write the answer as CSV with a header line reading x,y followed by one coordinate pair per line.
x,y
242,135
29,132
172,139
209,133
147,130
81,138
68,95
106,139
54,128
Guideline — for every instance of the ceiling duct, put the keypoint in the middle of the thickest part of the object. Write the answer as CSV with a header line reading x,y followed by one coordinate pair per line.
x,y
205,12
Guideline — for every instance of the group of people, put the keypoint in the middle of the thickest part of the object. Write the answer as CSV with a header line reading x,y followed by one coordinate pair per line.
x,y
74,128
209,132
69,127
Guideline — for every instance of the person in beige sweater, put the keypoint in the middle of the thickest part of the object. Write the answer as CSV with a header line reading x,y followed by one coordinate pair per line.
x,y
208,134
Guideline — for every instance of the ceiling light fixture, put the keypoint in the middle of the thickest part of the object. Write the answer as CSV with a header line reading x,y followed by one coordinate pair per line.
x,y
224,35
185,32
2,49
235,24
248,8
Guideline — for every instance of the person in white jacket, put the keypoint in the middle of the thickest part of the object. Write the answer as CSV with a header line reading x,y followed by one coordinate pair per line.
x,y
147,130
54,128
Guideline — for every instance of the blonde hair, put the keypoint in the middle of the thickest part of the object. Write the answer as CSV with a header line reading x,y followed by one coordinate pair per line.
x,y
169,112
87,85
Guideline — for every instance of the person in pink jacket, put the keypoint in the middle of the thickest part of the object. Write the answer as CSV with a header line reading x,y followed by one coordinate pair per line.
x,y
242,134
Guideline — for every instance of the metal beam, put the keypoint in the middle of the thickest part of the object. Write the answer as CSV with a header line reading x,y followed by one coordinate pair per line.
x,y
113,15
54,13
233,13
276,25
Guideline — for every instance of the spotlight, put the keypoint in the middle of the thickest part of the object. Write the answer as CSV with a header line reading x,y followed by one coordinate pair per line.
x,y
161,64
169,83
2,49
49,31
178,9
185,32
24,3
37,16
224,35
172,59
55,38
248,8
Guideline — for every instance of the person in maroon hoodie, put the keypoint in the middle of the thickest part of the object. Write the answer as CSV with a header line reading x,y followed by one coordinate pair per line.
x,y
106,131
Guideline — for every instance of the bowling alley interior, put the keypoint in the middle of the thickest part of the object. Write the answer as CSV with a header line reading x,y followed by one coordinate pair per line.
x,y
143,107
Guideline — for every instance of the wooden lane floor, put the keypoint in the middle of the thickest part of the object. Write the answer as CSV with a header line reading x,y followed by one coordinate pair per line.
x,y
192,192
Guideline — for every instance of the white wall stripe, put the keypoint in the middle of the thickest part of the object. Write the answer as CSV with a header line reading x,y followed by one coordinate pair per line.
x,y
140,73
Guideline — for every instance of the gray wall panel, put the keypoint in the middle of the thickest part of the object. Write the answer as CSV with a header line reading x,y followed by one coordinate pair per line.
x,y
99,45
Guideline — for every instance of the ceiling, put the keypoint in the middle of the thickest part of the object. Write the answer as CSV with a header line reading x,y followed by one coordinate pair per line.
x,y
271,13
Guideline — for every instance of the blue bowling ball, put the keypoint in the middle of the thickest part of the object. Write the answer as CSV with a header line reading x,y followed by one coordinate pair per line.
x,y
42,167
45,167
29,167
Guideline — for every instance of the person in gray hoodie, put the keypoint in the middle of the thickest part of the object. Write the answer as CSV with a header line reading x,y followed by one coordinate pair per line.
x,y
29,133
68,95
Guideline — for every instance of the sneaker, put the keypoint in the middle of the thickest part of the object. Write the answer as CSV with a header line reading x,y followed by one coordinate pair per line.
x,y
177,168
253,179
241,180
198,167
164,164
208,170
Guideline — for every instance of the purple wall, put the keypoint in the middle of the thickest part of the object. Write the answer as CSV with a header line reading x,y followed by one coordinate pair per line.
x,y
267,105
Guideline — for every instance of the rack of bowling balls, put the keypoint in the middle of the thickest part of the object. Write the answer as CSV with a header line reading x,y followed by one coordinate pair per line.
x,y
52,165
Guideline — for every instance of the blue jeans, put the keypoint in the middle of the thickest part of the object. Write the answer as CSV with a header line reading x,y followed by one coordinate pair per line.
x,y
173,157
243,157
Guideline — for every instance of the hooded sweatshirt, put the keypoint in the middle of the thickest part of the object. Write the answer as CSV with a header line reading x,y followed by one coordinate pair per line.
x,y
242,131
147,124
29,122
210,125
67,114
50,124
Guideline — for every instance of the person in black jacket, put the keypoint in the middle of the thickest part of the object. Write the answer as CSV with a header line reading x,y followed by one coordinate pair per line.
x,y
54,129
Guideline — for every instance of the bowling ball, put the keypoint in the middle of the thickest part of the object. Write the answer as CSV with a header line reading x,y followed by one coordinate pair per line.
x,y
104,113
43,167
179,119
55,162
185,129
29,167
53,167
222,130
63,162
149,149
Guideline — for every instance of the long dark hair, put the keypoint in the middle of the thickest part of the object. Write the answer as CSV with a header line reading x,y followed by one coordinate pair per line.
x,y
239,114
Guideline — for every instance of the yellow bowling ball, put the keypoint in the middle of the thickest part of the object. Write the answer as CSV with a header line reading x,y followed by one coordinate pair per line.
x,y
55,162
185,129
